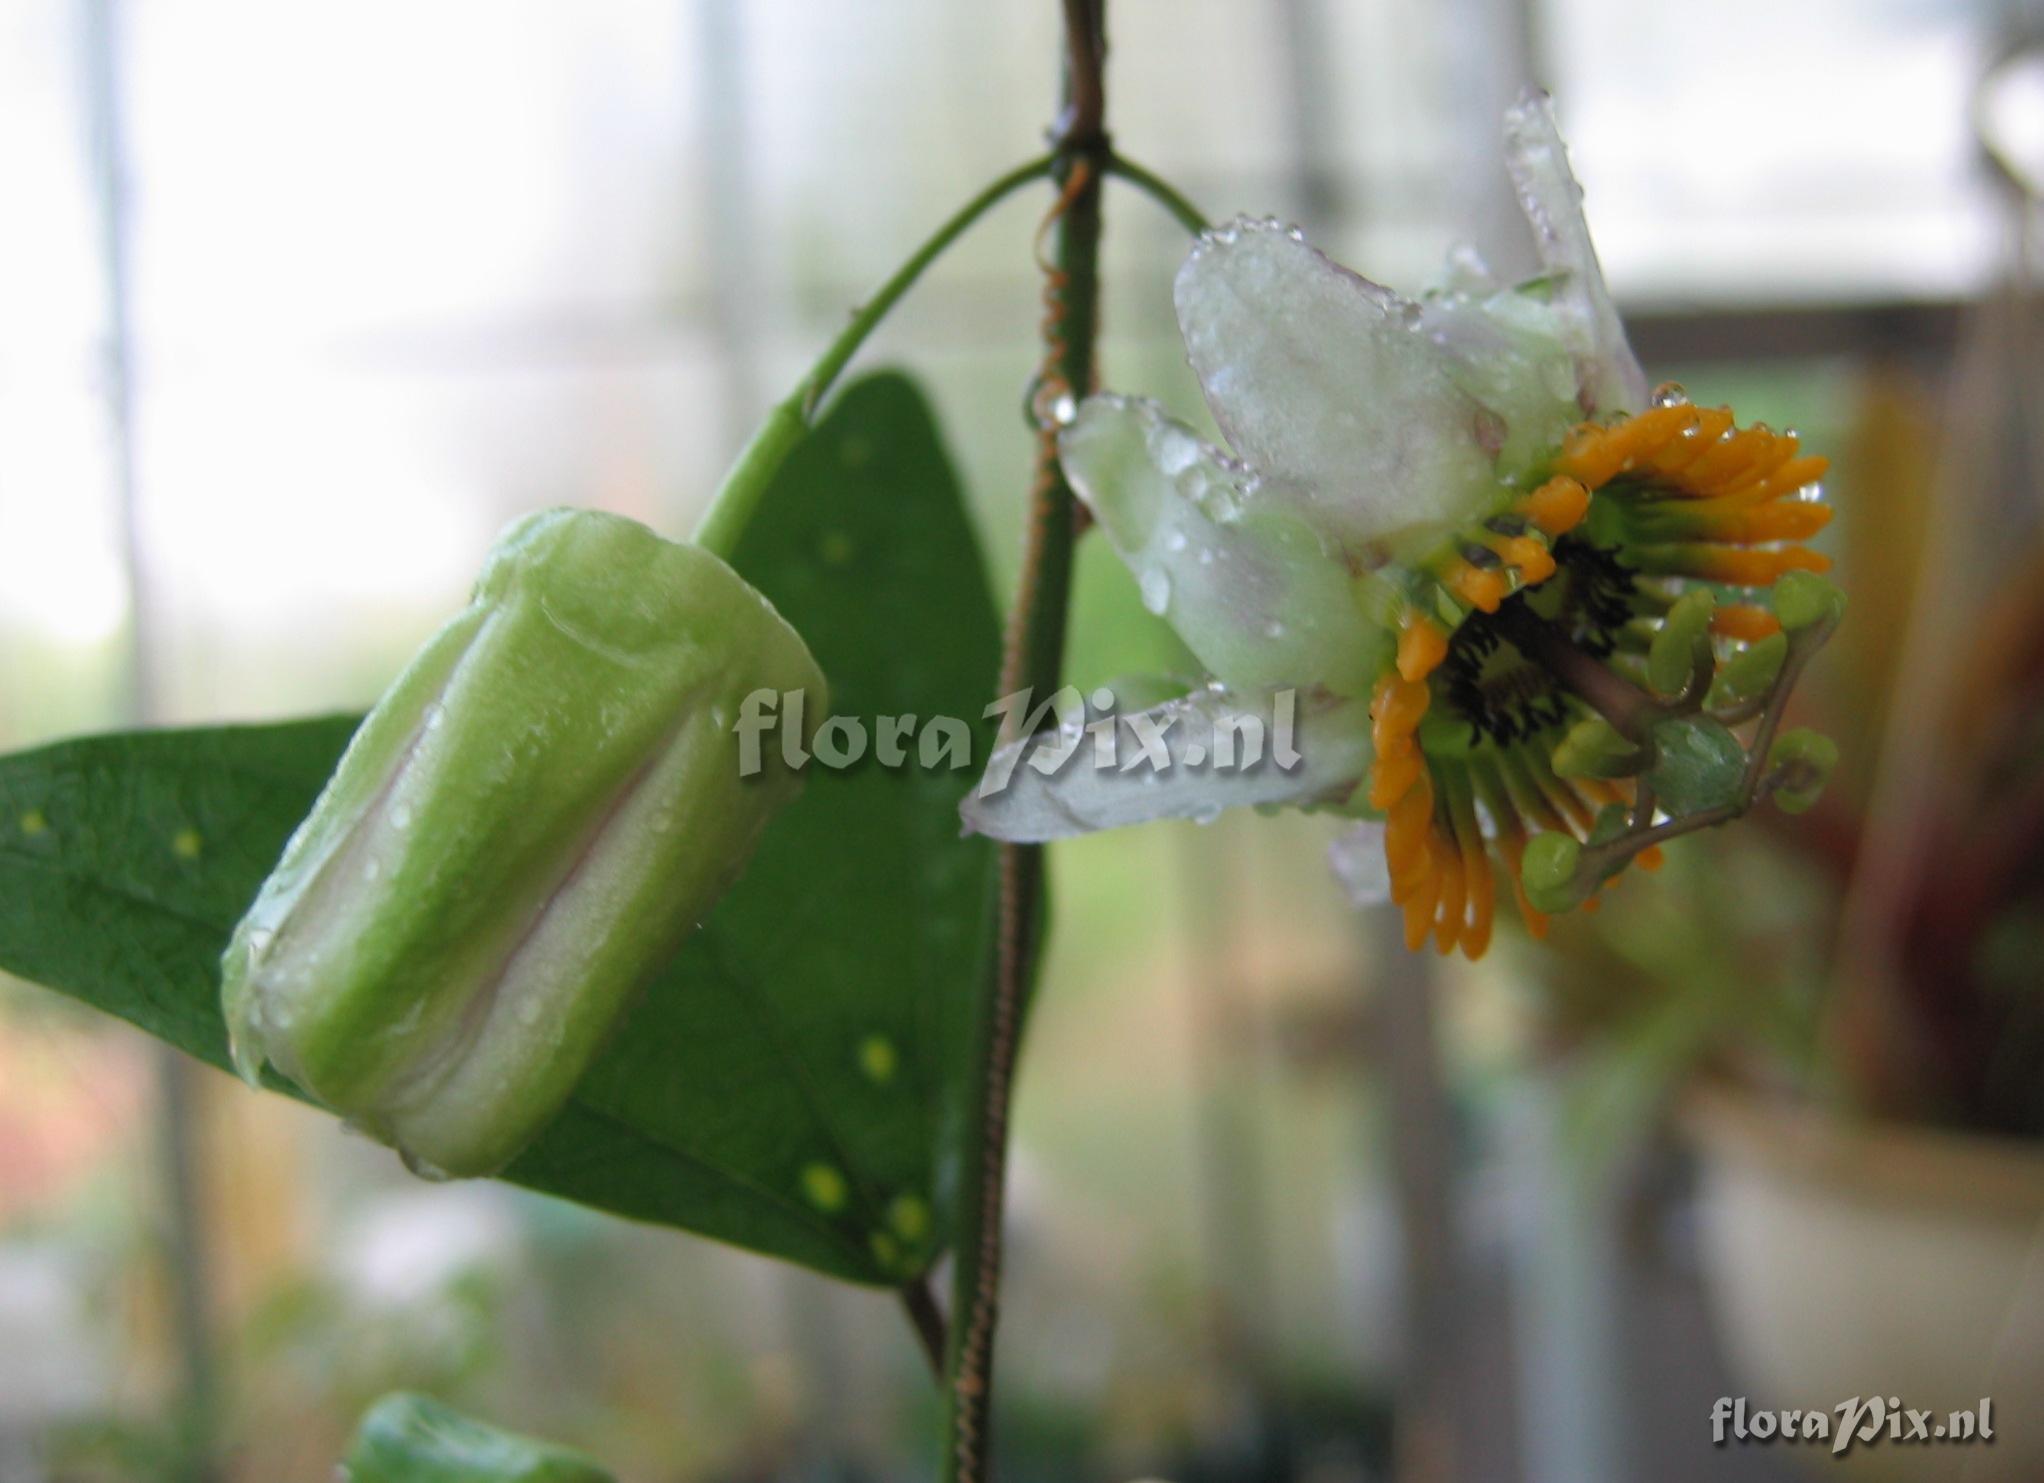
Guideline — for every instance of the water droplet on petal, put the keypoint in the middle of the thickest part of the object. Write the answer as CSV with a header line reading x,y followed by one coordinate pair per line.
x,y
1156,589
1670,394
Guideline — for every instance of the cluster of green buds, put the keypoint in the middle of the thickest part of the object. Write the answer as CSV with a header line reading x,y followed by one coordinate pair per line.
x,y
521,833
1676,743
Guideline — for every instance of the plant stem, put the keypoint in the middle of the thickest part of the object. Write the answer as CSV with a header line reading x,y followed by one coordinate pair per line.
x,y
1159,190
1627,707
785,425
1034,661
920,1303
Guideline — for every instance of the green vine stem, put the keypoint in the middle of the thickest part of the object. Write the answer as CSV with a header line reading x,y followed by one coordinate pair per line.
x,y
1159,190
789,421
1034,660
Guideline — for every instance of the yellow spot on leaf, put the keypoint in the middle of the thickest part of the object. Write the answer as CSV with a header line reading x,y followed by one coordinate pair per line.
x,y
877,1058
33,823
886,1250
910,1218
186,844
824,1186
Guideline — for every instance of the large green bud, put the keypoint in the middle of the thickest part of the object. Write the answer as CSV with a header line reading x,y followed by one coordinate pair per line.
x,y
524,829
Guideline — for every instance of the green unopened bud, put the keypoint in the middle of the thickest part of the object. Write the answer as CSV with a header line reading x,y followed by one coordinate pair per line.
x,y
413,1439
1548,872
1593,748
1698,765
1750,673
1804,599
523,830
1802,759
1681,647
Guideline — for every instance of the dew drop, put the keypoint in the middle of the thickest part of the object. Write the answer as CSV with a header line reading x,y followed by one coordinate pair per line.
x,y
1274,629
373,871
1670,394
1064,410
1175,541
1156,589
401,816
1175,454
1206,556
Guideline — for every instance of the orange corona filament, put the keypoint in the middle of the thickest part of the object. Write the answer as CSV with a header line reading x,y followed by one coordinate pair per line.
x,y
1697,497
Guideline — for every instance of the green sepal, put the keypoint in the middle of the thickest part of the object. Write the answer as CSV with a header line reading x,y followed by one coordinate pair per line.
x,y
407,1438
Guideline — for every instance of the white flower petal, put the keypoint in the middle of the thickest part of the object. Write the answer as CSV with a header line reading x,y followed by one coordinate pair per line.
x,y
1055,784
1357,859
1612,380
1248,585
1321,382
1508,349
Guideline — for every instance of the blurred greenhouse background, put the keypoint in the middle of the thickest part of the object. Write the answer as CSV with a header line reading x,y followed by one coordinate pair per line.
x,y
300,303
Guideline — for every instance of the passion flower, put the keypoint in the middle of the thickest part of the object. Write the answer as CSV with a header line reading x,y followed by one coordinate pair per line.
x,y
548,799
1485,560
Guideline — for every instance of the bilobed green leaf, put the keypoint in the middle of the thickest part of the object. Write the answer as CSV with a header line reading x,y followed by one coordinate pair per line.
x,y
788,1084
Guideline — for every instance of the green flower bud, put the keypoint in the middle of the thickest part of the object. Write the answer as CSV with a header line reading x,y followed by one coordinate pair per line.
x,y
1698,765
1803,759
1593,748
1548,872
409,1438
1681,647
1804,599
1750,673
523,830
